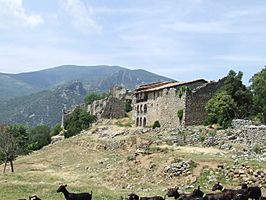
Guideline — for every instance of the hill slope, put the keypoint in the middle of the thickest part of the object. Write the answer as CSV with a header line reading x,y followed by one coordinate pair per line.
x,y
15,85
99,77
43,107
46,95
114,166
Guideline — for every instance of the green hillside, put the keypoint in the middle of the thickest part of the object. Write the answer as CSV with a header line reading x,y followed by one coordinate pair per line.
x,y
37,97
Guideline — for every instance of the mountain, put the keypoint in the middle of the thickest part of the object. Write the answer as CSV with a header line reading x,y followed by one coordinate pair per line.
x,y
43,107
130,79
15,85
38,97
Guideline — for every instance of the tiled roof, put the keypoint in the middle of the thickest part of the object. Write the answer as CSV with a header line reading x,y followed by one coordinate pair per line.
x,y
162,85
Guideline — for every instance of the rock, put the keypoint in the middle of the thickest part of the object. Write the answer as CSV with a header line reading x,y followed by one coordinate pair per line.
x,y
57,138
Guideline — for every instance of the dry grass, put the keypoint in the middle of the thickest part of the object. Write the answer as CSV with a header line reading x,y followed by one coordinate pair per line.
x,y
86,162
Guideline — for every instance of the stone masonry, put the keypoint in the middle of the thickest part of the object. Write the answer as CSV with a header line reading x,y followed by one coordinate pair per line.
x,y
163,100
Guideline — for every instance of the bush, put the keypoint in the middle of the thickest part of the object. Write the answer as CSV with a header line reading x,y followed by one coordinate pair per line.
x,y
56,130
202,138
180,114
72,130
94,96
39,137
128,106
156,124
77,121
256,149
212,133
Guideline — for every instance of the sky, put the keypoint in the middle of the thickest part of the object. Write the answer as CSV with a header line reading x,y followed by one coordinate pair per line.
x,y
180,39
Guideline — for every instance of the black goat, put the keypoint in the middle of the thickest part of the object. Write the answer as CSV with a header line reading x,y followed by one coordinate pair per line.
x,y
236,194
133,196
34,197
74,196
217,196
173,192
252,192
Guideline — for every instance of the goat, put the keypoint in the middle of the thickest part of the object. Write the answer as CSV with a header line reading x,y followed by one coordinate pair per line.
x,y
34,197
173,192
236,194
133,196
74,196
217,196
252,192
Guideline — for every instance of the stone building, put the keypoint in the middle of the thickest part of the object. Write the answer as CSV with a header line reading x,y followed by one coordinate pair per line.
x,y
173,104
113,106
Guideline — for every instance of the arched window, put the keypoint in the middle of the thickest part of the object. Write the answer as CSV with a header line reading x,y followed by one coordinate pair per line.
x,y
137,122
141,110
140,121
138,109
144,121
145,108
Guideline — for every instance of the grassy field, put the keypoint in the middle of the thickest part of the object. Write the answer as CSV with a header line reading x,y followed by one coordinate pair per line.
x,y
110,167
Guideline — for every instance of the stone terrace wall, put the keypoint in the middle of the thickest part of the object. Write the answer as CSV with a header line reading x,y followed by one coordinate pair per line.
x,y
255,134
250,134
196,101
240,123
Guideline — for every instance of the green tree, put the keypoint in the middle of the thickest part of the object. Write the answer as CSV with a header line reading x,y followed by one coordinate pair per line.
x,y
128,106
77,121
8,146
241,95
221,109
39,137
21,134
93,96
258,87
56,130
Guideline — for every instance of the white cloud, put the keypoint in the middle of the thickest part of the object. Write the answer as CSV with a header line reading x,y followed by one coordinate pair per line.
x,y
81,16
12,13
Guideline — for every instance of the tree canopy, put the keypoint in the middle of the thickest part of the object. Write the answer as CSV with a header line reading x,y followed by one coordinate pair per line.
x,y
233,100
77,121
258,87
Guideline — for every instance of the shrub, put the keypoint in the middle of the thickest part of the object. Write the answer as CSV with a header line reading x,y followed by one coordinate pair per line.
x,y
77,121
94,96
256,148
131,157
202,138
128,106
156,124
180,114
56,130
212,133
39,137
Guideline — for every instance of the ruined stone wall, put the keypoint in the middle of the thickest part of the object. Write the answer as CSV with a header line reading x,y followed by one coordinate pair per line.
x,y
107,108
240,123
254,134
196,101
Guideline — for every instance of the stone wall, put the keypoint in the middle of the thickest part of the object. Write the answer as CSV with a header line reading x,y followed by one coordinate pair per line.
x,y
114,108
107,108
163,105
121,93
196,101
240,123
